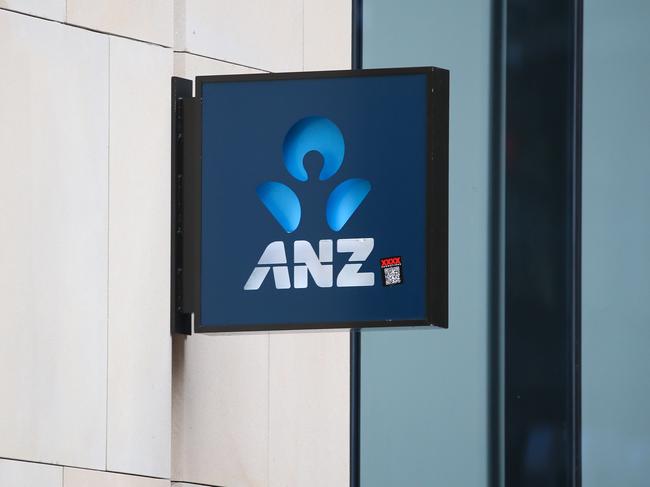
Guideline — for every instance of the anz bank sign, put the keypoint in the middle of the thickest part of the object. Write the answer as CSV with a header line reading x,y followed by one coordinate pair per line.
x,y
321,135
312,200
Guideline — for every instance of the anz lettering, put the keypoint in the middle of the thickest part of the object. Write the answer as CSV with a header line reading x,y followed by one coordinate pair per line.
x,y
320,267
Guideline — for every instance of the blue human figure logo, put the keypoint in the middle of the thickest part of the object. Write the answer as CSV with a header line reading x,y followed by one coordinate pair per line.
x,y
322,135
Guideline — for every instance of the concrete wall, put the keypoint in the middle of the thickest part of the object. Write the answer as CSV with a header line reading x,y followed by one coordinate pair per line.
x,y
86,374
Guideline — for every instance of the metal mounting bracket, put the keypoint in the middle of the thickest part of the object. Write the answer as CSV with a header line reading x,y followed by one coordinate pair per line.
x,y
181,309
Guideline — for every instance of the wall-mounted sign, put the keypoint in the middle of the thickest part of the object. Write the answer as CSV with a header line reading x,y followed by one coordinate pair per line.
x,y
313,200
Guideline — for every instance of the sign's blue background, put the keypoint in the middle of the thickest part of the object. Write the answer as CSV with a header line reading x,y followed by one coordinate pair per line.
x,y
383,120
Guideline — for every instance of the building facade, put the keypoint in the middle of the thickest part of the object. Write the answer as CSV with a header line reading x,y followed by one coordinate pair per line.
x,y
94,390
541,378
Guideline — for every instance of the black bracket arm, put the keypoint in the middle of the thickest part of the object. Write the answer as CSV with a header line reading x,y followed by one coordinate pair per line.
x,y
185,111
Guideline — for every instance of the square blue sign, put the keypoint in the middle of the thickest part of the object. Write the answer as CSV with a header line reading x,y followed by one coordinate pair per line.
x,y
323,200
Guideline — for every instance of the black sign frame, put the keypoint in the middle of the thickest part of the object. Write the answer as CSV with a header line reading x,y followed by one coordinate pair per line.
x,y
186,201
